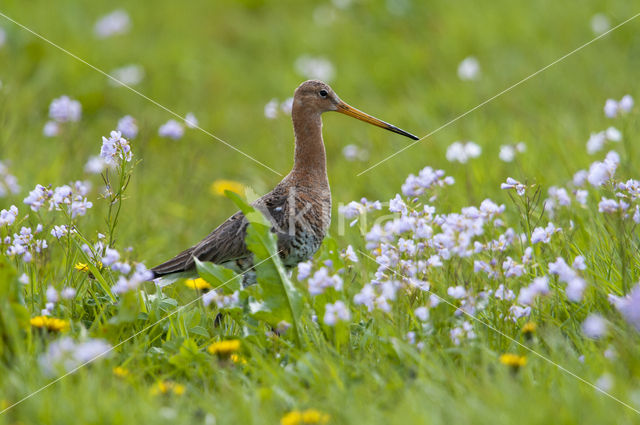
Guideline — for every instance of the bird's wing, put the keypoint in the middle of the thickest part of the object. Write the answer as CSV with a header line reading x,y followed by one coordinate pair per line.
x,y
225,243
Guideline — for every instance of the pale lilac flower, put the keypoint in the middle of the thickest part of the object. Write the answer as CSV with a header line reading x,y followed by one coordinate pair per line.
x,y
560,196
128,75
95,165
469,69
611,108
611,205
626,103
543,235
80,206
512,269
575,289
503,293
366,297
121,267
351,210
581,196
68,293
426,179
613,134
111,256
349,254
65,109
594,326
24,279
52,295
355,153
579,263
456,291
462,152
636,215
172,129
190,120
224,301
271,109
321,280
518,312
3,37
116,22
128,127
315,68
539,286
336,312
507,153
514,184
596,142
59,231
580,177
287,105
115,148
422,313
51,129
8,217
304,270
37,197
397,205
629,306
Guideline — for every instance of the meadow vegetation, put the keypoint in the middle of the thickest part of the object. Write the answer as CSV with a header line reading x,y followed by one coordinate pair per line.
x,y
489,274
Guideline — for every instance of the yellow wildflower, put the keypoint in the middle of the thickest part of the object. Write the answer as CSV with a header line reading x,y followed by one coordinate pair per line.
x,y
50,323
219,186
82,267
120,372
224,348
309,416
529,328
166,387
198,283
513,360
238,359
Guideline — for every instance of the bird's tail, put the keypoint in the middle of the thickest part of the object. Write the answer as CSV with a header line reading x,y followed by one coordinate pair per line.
x,y
180,263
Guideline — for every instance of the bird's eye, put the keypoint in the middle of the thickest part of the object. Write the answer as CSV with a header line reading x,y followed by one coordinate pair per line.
x,y
323,93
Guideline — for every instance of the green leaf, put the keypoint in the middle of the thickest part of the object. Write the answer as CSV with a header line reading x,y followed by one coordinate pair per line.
x,y
275,298
219,277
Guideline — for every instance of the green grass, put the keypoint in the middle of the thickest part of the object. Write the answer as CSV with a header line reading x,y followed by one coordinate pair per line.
x,y
224,61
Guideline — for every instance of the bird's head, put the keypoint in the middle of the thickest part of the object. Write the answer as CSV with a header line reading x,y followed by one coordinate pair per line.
x,y
314,96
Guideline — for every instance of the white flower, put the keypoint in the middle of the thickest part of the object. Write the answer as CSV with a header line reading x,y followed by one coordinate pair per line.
x,y
129,75
190,120
507,153
608,205
581,196
354,153
350,254
271,109
67,293
397,205
333,313
128,127
613,134
600,23
116,22
629,306
24,279
601,172
59,231
287,105
79,206
543,235
65,109
594,326
469,69
315,68
595,142
51,129
539,286
636,215
462,152
37,197
171,129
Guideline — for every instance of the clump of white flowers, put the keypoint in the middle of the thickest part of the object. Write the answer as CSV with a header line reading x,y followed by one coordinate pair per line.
x,y
463,151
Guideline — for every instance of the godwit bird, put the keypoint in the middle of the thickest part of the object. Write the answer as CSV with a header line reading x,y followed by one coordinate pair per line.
x,y
299,207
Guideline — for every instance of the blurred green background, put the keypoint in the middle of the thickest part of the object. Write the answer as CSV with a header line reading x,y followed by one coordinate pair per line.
x,y
225,60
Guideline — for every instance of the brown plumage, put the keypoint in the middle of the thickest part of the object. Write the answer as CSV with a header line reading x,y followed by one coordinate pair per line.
x,y
299,207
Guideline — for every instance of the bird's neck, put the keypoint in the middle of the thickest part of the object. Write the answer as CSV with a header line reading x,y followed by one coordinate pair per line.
x,y
310,161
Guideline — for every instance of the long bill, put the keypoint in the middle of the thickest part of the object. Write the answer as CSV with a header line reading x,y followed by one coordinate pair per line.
x,y
343,108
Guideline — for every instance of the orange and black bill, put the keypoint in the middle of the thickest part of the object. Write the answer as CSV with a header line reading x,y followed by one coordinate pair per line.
x,y
343,108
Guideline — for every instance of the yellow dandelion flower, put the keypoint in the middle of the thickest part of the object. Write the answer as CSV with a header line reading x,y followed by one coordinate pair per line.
x,y
529,328
82,267
120,372
166,387
50,323
224,348
513,360
305,417
238,359
198,283
219,186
